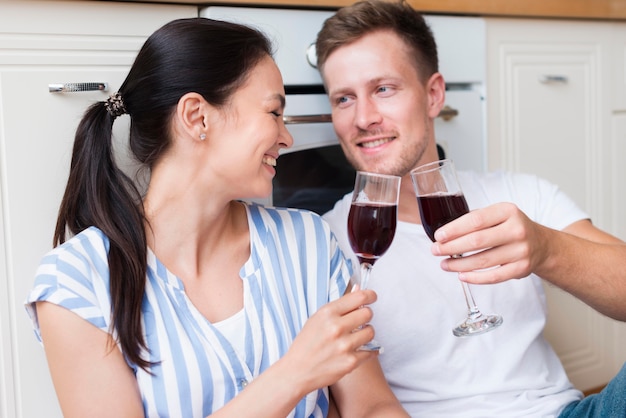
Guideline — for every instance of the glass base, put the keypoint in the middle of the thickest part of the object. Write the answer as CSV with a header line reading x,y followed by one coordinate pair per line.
x,y
480,325
372,346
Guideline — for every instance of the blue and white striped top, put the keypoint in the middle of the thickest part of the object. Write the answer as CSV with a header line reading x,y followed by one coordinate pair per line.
x,y
294,268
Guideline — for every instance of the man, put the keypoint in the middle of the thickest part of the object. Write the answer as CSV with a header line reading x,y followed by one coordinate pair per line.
x,y
379,64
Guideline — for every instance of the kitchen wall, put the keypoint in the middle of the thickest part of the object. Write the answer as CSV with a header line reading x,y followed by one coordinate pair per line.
x,y
577,9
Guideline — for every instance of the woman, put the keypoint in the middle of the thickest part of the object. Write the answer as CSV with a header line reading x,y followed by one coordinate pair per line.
x,y
174,302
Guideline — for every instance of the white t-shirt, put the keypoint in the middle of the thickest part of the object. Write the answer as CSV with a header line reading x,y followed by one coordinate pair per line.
x,y
509,372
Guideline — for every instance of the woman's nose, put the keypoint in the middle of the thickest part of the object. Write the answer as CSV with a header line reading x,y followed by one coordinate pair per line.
x,y
285,140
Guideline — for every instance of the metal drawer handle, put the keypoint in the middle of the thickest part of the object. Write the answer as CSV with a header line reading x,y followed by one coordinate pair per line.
x,y
72,87
448,113
550,79
293,120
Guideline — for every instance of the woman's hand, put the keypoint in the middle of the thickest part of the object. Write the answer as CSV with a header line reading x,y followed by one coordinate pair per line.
x,y
327,347
324,351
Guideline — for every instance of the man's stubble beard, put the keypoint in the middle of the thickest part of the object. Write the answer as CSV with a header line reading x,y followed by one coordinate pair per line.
x,y
401,165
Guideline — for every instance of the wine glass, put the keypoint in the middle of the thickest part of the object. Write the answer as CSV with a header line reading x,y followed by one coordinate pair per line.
x,y
440,201
372,223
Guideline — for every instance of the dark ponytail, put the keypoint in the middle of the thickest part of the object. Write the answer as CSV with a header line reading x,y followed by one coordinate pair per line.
x,y
209,57
98,193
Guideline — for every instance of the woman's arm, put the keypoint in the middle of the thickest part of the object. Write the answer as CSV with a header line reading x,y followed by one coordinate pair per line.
x,y
90,375
323,352
364,392
92,378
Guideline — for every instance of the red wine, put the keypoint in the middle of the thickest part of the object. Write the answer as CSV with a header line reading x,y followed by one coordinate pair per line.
x,y
438,210
371,229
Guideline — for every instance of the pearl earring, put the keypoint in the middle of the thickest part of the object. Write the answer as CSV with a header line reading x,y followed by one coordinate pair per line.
x,y
202,137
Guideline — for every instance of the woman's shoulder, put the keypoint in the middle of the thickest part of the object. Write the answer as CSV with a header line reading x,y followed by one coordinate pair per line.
x,y
301,222
87,241
87,249
278,213
75,275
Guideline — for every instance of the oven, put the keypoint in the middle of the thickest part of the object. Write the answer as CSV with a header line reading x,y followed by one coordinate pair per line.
x,y
313,173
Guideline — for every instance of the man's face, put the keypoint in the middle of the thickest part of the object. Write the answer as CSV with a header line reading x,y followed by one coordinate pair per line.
x,y
382,111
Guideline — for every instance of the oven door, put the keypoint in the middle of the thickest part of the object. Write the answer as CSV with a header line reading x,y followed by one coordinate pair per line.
x,y
308,119
293,33
313,173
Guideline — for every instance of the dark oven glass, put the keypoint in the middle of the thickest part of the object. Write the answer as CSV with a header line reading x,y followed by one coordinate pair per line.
x,y
312,179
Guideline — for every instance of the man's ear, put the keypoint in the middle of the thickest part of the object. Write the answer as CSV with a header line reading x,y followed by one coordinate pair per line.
x,y
436,92
191,113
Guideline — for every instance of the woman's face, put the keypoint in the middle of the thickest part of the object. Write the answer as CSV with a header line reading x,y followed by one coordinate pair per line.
x,y
249,132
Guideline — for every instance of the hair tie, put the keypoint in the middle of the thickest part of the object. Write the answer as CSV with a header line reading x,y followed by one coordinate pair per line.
x,y
115,105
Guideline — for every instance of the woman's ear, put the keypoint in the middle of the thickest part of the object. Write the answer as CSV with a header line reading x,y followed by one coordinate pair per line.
x,y
191,113
436,93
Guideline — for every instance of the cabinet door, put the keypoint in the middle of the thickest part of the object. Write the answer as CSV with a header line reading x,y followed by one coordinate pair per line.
x,y
548,100
73,42
618,65
618,116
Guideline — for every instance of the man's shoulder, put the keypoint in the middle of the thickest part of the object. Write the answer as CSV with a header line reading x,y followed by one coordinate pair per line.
x,y
500,182
497,176
339,212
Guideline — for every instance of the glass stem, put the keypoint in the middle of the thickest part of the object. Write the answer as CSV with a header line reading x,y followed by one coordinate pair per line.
x,y
366,269
472,310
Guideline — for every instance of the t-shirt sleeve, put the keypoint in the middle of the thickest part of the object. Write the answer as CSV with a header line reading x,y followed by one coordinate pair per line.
x,y
559,210
75,276
545,202
542,201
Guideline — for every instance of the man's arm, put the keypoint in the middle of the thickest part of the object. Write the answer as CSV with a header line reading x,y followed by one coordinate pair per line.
x,y
501,243
365,393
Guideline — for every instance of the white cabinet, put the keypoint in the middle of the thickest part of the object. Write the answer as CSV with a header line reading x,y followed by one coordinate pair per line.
x,y
618,129
618,66
42,43
552,92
